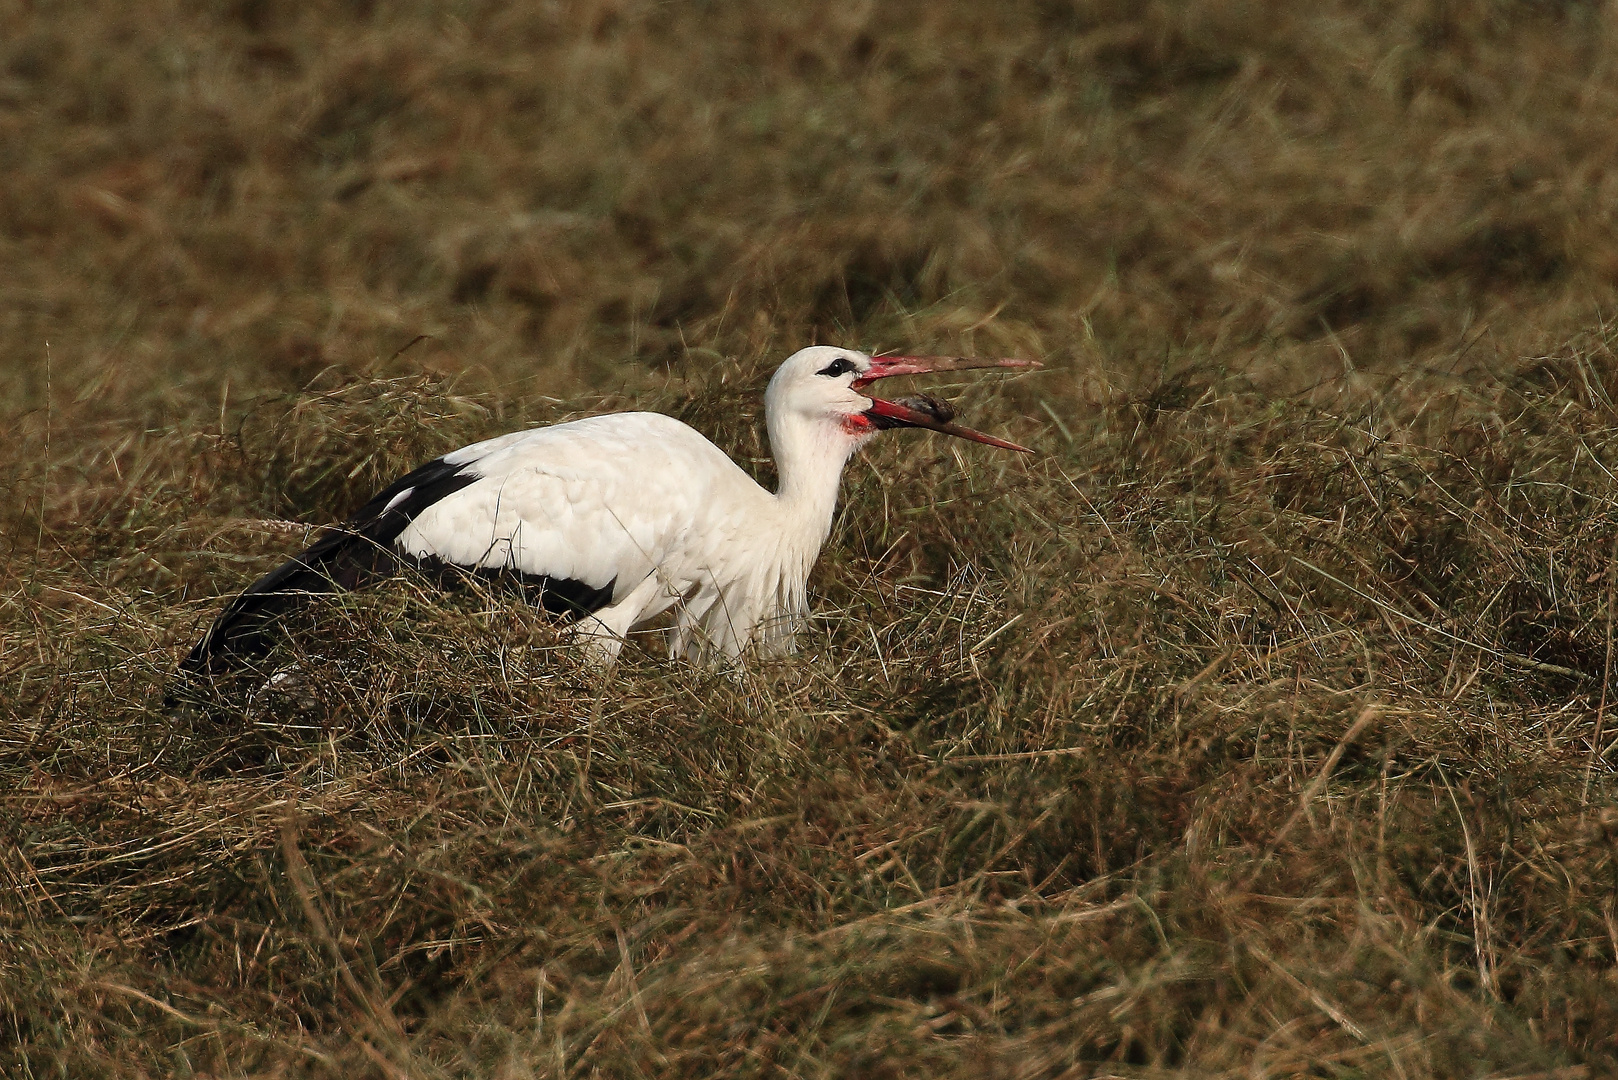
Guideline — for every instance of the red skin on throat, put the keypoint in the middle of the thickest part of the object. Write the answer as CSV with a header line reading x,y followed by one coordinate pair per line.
x,y
857,424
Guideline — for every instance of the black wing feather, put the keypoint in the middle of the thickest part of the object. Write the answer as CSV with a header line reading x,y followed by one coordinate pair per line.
x,y
348,556
357,553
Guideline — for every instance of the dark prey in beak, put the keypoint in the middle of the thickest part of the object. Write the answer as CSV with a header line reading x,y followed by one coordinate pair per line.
x,y
924,410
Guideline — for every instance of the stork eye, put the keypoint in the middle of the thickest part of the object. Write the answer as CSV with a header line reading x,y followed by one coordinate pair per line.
x,y
840,366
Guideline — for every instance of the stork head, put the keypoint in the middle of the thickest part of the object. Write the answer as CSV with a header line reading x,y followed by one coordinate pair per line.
x,y
818,389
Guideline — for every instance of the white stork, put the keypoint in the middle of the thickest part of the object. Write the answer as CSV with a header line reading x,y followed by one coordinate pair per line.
x,y
615,519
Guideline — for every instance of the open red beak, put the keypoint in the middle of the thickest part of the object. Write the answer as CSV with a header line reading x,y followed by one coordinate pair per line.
x,y
888,414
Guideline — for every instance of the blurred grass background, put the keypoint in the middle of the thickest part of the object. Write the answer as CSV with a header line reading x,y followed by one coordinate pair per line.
x,y
1144,758
251,191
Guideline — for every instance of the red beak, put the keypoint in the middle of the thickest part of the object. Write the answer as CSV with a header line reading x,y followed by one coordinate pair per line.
x,y
888,414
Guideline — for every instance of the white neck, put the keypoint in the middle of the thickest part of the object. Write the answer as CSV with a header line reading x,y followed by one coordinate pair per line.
x,y
809,460
765,606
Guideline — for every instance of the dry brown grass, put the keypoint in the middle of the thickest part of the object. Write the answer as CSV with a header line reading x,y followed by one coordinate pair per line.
x,y
1260,727
246,192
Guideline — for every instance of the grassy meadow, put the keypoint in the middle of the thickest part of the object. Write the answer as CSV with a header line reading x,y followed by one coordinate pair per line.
x,y
1259,726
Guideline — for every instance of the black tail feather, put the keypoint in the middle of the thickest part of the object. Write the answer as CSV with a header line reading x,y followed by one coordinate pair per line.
x,y
340,560
353,556
343,558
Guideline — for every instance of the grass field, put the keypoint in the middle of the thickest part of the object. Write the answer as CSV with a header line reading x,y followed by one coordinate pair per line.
x,y
1258,726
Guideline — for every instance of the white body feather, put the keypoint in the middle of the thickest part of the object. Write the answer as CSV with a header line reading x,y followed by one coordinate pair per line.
x,y
644,503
